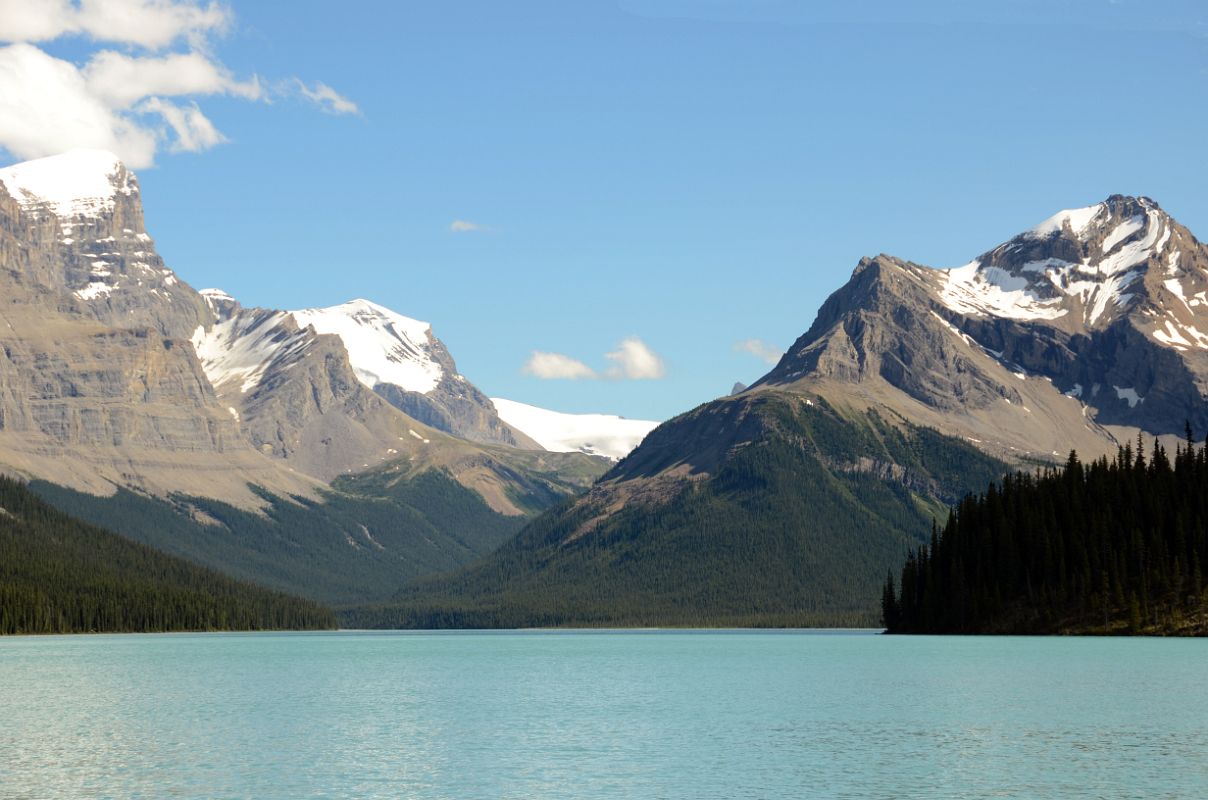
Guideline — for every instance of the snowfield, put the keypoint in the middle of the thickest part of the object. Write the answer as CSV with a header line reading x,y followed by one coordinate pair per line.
x,y
596,434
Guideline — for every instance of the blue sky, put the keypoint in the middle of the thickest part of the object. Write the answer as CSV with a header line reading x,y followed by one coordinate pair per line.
x,y
691,174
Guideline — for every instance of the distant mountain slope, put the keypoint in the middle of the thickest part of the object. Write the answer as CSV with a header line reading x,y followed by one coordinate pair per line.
x,y
60,575
347,547
596,434
789,518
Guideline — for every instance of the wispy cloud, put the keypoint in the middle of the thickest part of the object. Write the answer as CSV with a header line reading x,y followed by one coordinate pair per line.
x,y
327,98
632,360
465,226
134,100
555,366
760,349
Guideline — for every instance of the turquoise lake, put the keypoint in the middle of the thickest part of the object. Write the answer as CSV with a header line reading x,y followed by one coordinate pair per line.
x,y
601,715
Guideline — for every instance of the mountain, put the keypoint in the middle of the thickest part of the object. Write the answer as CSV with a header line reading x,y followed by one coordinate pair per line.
x,y
595,434
60,575
98,382
118,374
1075,334
396,357
787,502
331,452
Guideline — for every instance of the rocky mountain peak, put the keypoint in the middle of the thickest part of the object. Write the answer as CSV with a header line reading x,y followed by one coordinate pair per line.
x,y
1078,270
87,244
78,183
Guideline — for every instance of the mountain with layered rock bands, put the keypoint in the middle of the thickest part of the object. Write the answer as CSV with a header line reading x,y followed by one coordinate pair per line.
x,y
117,376
787,502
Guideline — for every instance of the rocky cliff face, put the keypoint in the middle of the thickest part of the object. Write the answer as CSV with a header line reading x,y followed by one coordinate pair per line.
x,y
98,382
83,229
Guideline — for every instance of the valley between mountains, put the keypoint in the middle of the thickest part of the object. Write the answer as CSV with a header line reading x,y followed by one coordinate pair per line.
x,y
338,455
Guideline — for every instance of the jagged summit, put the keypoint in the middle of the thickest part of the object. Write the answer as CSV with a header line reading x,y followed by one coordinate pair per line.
x,y
78,182
1096,317
1080,268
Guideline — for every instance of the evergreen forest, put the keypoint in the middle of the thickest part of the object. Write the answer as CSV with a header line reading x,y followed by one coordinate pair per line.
x,y
1117,546
61,575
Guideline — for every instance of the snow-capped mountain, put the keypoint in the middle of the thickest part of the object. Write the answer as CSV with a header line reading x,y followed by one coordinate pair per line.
x,y
247,351
86,209
1094,320
76,184
1083,268
1080,334
101,387
116,372
383,347
595,434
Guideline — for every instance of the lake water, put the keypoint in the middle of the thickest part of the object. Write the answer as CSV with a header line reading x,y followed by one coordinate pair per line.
x,y
601,715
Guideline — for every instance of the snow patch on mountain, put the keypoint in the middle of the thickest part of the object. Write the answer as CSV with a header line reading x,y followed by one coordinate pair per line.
x,y
94,290
78,182
1078,219
595,434
1041,289
1128,395
213,296
973,290
383,347
242,347
1157,233
1123,231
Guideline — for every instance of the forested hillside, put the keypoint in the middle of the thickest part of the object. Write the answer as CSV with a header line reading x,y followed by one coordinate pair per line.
x,y
60,575
791,528
1116,546
357,544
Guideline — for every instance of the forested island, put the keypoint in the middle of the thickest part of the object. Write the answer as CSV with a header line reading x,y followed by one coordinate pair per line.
x,y
61,575
1117,546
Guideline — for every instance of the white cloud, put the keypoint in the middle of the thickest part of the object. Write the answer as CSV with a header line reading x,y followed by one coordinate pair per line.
x,y
46,108
194,132
465,226
760,349
25,21
327,98
555,366
120,80
118,101
153,24
634,360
